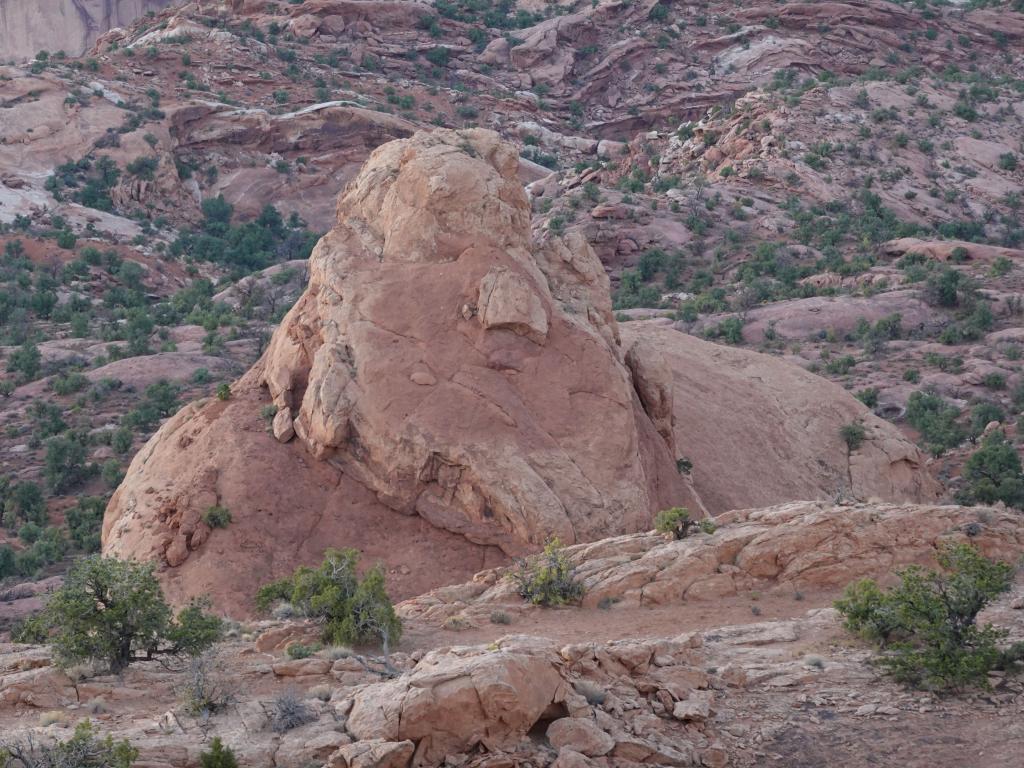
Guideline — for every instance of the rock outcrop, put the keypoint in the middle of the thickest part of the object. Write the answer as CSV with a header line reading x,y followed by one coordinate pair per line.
x,y
461,371
30,26
790,547
450,368
759,430
449,386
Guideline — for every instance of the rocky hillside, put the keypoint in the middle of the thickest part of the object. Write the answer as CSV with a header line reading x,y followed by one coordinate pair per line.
x,y
453,368
441,281
72,26
665,668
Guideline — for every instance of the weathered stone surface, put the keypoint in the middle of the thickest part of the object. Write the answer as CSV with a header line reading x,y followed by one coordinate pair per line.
x,y
581,735
454,700
796,545
445,361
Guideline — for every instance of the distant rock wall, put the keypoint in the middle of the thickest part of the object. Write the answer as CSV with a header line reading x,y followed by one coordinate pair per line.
x,y
30,26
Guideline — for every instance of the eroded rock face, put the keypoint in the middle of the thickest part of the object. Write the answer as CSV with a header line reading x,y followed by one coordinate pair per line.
x,y
796,546
443,375
29,26
759,430
460,370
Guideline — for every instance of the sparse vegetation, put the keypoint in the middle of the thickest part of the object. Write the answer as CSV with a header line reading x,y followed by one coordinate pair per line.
x,y
350,609
113,612
927,625
548,579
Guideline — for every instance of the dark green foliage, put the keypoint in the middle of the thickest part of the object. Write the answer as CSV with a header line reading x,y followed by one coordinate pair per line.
x,y
549,578
64,466
23,502
853,435
982,414
675,520
936,420
350,609
926,625
25,361
90,182
633,292
993,473
245,247
84,521
159,402
85,749
112,611
729,330
949,288
143,167
300,651
217,517
868,396
218,756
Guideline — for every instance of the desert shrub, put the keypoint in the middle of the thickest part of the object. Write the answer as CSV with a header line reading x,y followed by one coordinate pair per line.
x,y
868,396
113,612
217,517
84,521
121,440
85,749
549,578
300,651
982,414
350,609
947,287
64,465
853,435
218,756
993,473
500,617
224,391
206,689
26,361
926,626
288,711
675,520
24,501
936,420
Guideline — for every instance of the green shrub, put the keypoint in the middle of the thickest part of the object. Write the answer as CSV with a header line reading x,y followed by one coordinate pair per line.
x,y
549,578
223,391
300,651
868,396
64,465
993,473
219,756
853,435
926,626
675,520
85,749
217,517
113,612
936,420
350,609
84,521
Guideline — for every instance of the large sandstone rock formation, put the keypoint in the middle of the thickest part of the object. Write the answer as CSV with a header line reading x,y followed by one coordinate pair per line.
x,y
459,370
29,26
440,367
449,389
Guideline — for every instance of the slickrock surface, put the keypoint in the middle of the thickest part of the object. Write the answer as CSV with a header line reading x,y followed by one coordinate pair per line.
x,y
787,548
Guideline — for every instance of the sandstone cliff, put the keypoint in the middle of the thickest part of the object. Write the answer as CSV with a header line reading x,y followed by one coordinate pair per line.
x,y
30,26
